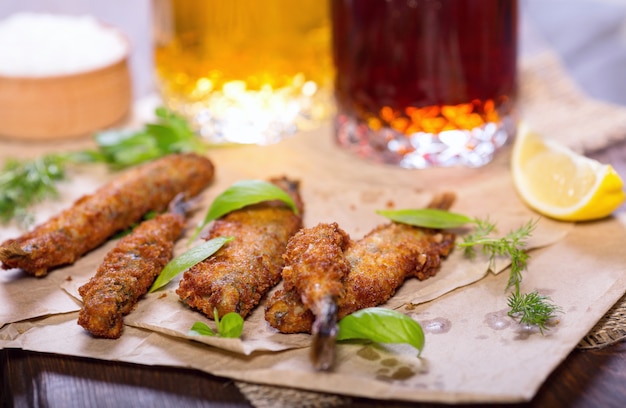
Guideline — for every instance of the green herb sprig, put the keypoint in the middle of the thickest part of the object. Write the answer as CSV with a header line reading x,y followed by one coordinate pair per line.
x,y
528,308
512,245
24,183
532,309
169,134
229,326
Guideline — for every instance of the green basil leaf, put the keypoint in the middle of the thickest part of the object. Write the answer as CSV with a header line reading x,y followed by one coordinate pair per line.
x,y
427,218
230,325
201,329
381,325
164,135
188,259
242,194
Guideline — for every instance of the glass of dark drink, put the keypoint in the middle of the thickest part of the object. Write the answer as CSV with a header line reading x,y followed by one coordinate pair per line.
x,y
425,83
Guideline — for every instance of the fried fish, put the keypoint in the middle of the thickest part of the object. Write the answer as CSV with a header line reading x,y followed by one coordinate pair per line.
x,y
128,271
315,269
92,219
245,269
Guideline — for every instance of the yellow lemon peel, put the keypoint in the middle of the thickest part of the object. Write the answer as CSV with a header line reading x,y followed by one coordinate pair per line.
x,y
560,183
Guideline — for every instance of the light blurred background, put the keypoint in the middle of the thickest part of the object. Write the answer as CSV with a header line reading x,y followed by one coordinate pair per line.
x,y
589,36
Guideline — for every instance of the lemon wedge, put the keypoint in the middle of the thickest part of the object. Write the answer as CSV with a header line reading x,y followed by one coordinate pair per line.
x,y
561,184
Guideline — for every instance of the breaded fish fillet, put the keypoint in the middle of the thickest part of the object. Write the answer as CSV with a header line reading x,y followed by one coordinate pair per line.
x,y
128,271
245,269
94,218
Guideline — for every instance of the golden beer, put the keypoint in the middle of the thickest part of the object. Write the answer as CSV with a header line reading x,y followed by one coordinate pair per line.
x,y
245,71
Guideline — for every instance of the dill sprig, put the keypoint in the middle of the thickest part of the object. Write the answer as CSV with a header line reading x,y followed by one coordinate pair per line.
x,y
530,308
512,245
24,183
27,182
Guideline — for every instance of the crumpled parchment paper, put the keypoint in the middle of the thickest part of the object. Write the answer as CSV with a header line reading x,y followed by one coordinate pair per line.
x,y
473,352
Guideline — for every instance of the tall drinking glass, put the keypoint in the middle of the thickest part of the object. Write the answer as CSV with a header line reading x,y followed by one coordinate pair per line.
x,y
245,71
424,83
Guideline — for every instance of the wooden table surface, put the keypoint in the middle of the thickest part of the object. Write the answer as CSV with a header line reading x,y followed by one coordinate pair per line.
x,y
587,378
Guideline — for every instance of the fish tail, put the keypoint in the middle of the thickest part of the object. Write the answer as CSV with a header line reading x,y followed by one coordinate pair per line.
x,y
442,201
179,205
11,250
324,332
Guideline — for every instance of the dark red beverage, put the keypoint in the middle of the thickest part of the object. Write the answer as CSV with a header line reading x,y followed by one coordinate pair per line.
x,y
409,70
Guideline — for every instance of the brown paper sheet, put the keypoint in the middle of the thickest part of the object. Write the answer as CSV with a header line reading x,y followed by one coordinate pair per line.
x,y
552,104
473,351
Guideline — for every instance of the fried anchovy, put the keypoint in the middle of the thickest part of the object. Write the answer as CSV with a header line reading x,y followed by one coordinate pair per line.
x,y
245,269
315,268
92,219
379,264
128,270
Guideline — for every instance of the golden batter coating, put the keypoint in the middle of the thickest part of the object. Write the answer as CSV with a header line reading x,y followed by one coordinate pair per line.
x,y
114,207
127,273
245,269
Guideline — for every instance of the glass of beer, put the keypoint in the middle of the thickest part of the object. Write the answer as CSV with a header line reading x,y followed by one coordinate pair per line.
x,y
424,83
245,71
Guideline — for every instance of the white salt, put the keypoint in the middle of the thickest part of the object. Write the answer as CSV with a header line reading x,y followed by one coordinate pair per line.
x,y
36,45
